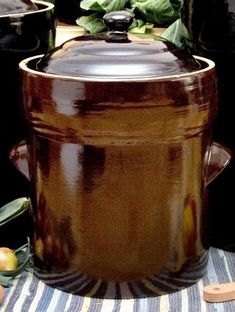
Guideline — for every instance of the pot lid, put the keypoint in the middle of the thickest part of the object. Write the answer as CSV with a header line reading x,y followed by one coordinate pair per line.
x,y
8,7
114,55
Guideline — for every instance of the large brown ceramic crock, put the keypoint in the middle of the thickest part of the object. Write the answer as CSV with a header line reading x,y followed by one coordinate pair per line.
x,y
118,158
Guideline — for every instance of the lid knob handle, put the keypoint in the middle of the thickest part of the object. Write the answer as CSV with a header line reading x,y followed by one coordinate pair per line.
x,y
118,23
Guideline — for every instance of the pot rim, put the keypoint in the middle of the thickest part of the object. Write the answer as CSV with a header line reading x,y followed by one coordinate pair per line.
x,y
48,6
210,65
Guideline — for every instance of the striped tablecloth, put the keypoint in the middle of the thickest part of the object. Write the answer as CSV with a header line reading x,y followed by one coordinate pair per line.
x,y
28,293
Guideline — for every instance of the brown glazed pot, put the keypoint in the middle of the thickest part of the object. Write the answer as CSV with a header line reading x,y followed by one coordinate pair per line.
x,y
118,168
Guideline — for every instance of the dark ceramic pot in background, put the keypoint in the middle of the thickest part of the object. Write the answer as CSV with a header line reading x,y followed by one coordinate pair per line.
x,y
21,35
211,23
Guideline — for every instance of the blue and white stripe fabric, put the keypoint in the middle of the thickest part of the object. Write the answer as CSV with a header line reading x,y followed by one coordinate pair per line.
x,y
30,294
75,282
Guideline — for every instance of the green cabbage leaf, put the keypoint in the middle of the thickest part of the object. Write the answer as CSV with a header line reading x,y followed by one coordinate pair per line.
x,y
103,5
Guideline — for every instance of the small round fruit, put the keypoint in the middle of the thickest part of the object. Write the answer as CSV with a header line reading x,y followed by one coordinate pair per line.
x,y
1,293
8,259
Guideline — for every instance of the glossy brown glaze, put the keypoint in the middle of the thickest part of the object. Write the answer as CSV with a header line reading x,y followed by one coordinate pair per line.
x,y
124,57
117,175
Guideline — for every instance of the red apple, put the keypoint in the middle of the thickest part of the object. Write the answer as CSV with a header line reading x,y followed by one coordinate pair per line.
x,y
8,259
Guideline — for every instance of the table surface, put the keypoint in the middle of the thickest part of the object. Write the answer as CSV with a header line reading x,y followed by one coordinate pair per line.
x,y
29,294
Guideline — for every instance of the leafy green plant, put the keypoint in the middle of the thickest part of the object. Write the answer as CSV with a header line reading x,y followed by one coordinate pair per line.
x,y
178,34
147,13
14,209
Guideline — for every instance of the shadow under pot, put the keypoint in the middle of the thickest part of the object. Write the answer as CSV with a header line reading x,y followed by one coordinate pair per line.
x,y
120,156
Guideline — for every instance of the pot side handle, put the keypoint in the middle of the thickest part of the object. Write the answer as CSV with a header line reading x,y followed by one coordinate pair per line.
x,y
216,159
19,157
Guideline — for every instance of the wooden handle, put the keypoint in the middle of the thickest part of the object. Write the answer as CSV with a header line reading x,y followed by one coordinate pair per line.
x,y
219,292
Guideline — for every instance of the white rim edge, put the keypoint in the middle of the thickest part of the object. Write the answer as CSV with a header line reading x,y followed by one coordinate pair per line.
x,y
23,66
47,5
